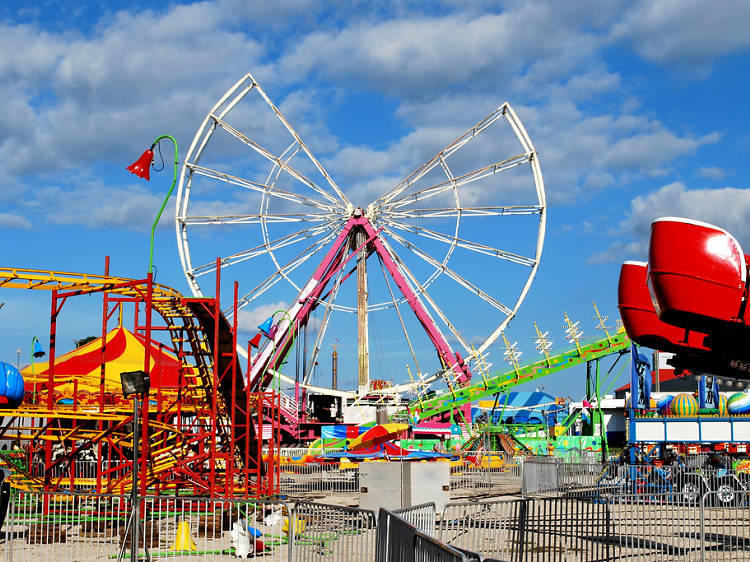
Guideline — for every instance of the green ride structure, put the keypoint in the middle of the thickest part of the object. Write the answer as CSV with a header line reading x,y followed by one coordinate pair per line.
x,y
499,436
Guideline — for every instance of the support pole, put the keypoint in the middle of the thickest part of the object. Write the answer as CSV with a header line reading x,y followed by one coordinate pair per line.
x,y
363,354
134,507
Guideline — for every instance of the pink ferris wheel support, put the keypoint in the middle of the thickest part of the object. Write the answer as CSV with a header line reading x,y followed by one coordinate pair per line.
x,y
275,352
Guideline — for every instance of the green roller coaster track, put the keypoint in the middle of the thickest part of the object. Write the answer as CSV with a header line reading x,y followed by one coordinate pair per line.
x,y
421,409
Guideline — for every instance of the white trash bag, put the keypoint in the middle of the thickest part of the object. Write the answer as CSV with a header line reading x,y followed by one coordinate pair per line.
x,y
242,541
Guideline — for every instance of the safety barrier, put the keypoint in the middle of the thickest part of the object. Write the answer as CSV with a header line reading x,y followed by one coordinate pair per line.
x,y
332,533
328,479
318,478
577,476
83,469
687,484
663,527
299,452
69,527
725,530
540,475
472,480
550,529
422,516
400,541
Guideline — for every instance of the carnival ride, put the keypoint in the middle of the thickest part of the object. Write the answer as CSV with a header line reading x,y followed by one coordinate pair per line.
x,y
446,216
690,298
204,431
450,410
271,210
200,428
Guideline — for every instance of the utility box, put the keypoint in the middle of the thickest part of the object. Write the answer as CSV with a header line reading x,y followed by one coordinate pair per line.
x,y
393,485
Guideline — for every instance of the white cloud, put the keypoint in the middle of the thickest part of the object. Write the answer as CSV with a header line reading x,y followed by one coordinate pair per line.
x,y
418,56
727,208
75,99
685,32
93,205
650,149
11,221
711,172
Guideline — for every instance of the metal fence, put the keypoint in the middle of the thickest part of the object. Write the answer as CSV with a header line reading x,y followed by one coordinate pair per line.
x,y
473,480
83,469
576,476
594,513
661,527
550,529
70,527
318,478
332,533
299,452
422,516
540,475
400,541
465,480
689,483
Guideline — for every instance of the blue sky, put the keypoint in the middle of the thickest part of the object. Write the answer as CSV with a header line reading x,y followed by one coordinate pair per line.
x,y
637,110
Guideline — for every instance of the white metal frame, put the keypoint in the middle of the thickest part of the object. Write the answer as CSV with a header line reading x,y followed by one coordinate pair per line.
x,y
322,212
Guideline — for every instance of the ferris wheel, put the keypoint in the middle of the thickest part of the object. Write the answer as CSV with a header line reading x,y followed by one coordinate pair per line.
x,y
435,266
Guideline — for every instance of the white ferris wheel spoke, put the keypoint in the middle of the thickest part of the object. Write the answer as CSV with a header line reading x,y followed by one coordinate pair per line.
x,y
289,267
328,304
445,153
461,243
262,249
277,161
460,181
420,291
256,218
318,166
259,187
464,212
398,313
489,299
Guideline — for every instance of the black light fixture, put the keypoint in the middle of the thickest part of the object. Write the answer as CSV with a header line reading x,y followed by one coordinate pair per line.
x,y
135,383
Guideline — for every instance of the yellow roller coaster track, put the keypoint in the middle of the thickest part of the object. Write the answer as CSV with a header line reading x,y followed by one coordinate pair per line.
x,y
18,278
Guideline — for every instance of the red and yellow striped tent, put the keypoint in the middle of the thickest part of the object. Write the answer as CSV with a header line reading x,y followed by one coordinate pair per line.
x,y
79,372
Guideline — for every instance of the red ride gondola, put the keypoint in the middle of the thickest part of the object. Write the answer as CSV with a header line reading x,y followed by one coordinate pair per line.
x,y
697,275
639,317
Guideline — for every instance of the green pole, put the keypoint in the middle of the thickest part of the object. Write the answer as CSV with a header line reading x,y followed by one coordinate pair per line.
x,y
164,203
603,429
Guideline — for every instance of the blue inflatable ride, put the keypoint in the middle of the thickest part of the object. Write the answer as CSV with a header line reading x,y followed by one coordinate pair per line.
x,y
11,386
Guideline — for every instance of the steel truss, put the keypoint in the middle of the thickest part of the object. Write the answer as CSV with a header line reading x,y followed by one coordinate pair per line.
x,y
202,436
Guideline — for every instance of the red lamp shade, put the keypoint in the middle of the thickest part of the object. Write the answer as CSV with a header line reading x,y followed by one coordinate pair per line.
x,y
255,342
141,166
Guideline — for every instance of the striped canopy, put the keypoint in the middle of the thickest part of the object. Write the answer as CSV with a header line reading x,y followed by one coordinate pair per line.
x,y
120,350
